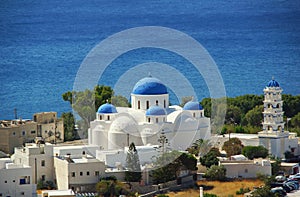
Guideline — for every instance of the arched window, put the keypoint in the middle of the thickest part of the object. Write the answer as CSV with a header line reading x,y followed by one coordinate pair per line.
x,y
270,128
278,105
164,103
100,117
194,114
156,120
201,114
139,104
108,117
147,104
269,106
148,119
156,102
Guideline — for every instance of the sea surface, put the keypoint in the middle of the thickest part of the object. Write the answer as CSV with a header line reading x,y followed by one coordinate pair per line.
x,y
43,43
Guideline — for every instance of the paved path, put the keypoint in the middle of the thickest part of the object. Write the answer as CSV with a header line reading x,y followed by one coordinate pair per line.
x,y
294,194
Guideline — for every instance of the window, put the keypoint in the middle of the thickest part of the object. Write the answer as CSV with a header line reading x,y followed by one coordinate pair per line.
x,y
96,173
87,173
80,173
164,103
5,181
100,117
194,115
23,133
139,104
156,102
246,170
108,117
148,119
83,152
14,133
73,174
147,104
156,120
43,177
32,132
14,181
22,193
45,131
43,163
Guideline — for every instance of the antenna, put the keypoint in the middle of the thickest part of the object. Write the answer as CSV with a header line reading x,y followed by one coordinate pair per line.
x,y
15,112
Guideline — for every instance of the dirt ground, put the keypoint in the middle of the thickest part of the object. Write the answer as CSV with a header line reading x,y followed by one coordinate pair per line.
x,y
221,189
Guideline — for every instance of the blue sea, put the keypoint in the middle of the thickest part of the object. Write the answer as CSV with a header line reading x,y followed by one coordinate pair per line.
x,y
43,43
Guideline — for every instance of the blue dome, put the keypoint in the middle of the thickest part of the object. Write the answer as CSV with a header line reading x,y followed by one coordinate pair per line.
x,y
107,108
155,111
273,83
192,105
149,86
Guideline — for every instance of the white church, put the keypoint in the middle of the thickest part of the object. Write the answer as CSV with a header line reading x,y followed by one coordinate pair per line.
x,y
148,119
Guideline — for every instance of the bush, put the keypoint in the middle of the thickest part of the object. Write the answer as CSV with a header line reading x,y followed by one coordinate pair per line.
x,y
209,195
217,173
242,191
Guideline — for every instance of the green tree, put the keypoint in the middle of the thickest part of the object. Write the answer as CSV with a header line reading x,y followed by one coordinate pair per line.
x,y
87,102
200,147
210,158
108,188
119,101
133,173
233,146
295,121
264,191
233,115
166,171
217,173
291,105
186,99
288,155
254,117
69,126
276,166
252,152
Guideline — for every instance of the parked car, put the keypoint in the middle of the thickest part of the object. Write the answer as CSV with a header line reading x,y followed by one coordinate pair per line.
x,y
280,178
279,191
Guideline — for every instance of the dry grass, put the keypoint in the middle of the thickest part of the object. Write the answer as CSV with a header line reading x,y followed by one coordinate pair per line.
x,y
221,189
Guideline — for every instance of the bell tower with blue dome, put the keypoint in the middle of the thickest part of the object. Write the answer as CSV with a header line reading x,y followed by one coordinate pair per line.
x,y
148,92
273,136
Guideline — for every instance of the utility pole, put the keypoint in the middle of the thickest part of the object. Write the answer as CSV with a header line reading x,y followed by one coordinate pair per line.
x,y
15,112
163,140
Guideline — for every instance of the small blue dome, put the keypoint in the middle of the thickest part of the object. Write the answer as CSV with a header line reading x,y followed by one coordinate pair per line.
x,y
192,105
149,86
155,111
107,108
273,83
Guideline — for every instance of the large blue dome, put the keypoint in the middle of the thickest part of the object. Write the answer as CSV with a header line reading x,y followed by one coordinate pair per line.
x,y
149,86
107,108
273,83
155,111
192,105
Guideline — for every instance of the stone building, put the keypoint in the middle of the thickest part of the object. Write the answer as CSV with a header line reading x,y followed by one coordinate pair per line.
x,y
15,133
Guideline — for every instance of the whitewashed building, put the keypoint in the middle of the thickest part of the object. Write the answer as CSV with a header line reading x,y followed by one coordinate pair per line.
x,y
16,180
148,117
39,157
78,173
273,136
247,168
